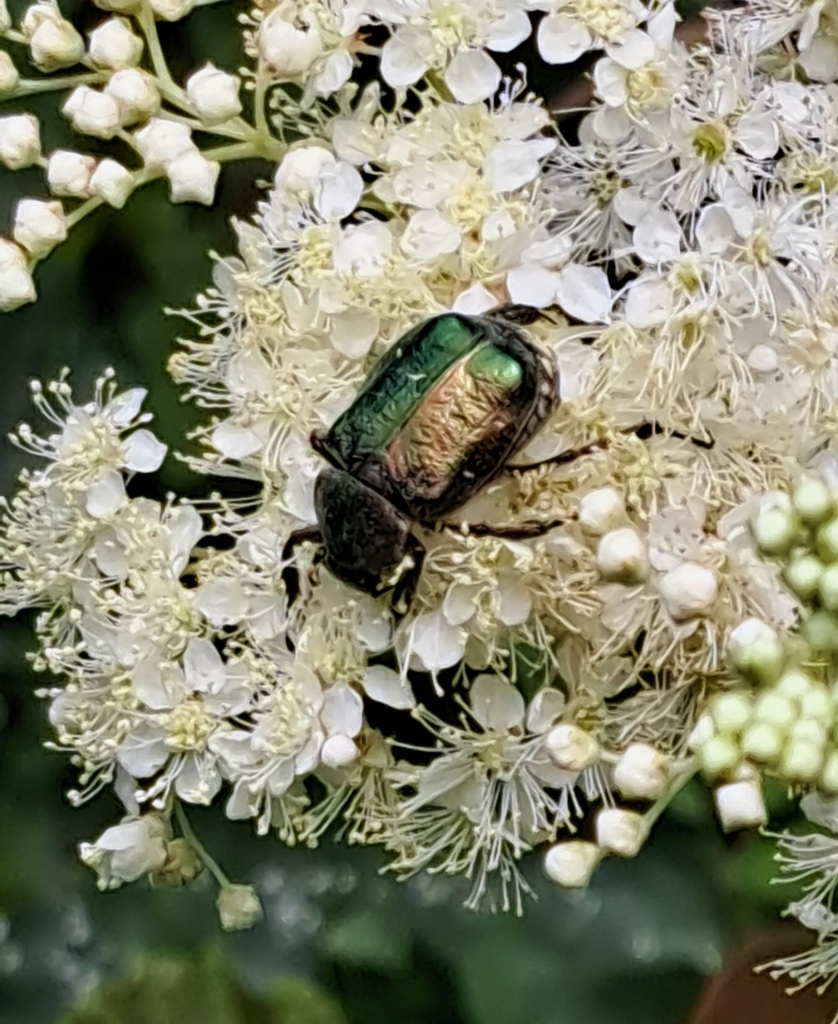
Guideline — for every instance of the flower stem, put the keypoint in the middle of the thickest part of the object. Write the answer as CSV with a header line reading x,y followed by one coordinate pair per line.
x,y
32,86
689,769
196,844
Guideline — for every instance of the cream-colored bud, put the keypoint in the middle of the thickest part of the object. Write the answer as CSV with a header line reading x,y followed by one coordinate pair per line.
x,y
120,6
54,43
622,556
755,650
39,226
828,588
9,74
16,284
20,141
601,510
136,95
192,178
621,832
571,864
171,10
238,907
339,751
214,94
689,590
794,684
731,711
740,805
829,774
719,754
112,182
92,113
803,575
69,173
5,17
703,729
775,709
112,45
161,141
827,541
801,760
812,500
288,51
808,730
642,773
775,527
821,630
818,705
571,748
762,742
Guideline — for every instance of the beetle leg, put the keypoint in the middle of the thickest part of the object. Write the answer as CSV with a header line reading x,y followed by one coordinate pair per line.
x,y
405,588
290,573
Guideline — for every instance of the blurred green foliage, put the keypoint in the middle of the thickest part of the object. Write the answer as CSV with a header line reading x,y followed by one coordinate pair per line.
x,y
635,947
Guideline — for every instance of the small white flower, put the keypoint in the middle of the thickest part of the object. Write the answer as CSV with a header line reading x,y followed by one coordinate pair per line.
x,y
39,225
20,141
622,555
238,907
171,10
642,773
53,41
16,284
9,74
621,832
112,182
92,113
740,805
112,45
160,142
601,510
69,173
192,178
135,93
127,851
571,864
689,590
214,94
288,51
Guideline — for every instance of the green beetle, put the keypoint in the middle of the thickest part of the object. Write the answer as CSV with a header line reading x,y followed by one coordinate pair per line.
x,y
439,416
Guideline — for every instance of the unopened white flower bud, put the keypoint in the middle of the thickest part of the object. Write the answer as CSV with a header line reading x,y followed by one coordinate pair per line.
x,y
9,74
69,173
755,649
621,832
740,805
161,141
827,541
601,510
301,168
719,754
622,556
571,748
339,751
287,51
762,742
121,6
731,711
808,730
812,500
16,284
642,773
127,851
794,684
112,45
803,575
828,588
821,630
39,226
238,907
775,709
53,41
171,10
214,94
112,182
703,729
20,141
775,526
829,773
818,705
136,95
192,178
92,113
689,590
801,760
572,863
5,17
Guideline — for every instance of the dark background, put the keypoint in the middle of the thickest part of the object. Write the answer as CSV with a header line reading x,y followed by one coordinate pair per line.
x,y
339,943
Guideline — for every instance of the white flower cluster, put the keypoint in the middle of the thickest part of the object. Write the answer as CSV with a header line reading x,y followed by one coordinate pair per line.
x,y
559,671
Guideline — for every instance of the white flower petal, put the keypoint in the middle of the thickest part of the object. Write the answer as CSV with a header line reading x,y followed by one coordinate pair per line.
x,y
198,781
142,452
648,303
532,285
658,237
509,30
634,49
511,165
584,293
436,643
472,76
106,495
338,191
223,601
475,301
388,687
143,751
342,711
203,667
497,705
405,57
561,39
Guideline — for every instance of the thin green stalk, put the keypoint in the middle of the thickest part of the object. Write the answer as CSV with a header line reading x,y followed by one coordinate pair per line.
x,y
196,844
688,772
32,86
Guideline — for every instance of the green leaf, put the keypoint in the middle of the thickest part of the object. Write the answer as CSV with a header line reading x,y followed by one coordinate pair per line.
x,y
368,938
